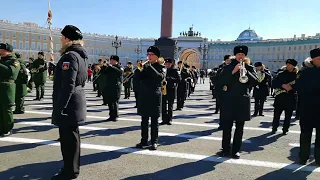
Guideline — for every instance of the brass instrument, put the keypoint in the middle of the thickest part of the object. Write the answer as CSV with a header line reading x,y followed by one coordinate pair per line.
x,y
36,70
97,69
261,76
164,85
243,72
280,90
140,65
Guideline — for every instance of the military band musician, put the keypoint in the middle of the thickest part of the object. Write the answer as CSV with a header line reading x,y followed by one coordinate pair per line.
x,y
236,79
168,96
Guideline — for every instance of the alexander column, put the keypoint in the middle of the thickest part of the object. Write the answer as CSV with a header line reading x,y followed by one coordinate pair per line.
x,y
165,43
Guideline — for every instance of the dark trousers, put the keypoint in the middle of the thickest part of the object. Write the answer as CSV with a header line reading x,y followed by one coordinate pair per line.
x,y
298,108
180,99
305,143
258,105
19,101
70,149
136,95
145,128
30,84
99,91
167,109
113,109
94,84
89,79
218,104
237,137
276,118
127,92
40,90
202,79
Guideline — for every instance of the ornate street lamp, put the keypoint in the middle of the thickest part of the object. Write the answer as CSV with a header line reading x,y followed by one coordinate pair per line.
x,y
204,50
116,44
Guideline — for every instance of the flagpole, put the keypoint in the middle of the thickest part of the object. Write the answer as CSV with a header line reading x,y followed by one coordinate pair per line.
x,y
49,21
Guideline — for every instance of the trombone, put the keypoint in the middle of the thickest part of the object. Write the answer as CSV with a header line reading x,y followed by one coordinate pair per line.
x,y
139,66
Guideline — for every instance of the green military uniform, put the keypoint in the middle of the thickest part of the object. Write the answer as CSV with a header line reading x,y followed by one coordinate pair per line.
x,y
39,77
9,70
127,83
21,88
30,66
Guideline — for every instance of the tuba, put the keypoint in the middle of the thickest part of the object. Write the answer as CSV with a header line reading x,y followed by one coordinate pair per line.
x,y
243,72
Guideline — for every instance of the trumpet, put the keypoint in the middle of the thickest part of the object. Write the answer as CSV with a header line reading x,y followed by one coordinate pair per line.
x,y
243,72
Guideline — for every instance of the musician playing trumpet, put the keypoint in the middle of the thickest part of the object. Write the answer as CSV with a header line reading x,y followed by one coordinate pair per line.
x,y
285,99
150,76
260,92
39,71
236,79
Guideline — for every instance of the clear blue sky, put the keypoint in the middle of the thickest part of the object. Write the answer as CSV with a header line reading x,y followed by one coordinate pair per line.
x,y
215,19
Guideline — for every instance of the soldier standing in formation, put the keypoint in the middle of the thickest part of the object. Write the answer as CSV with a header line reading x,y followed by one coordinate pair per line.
x,y
9,70
171,80
69,99
136,82
260,92
30,82
285,96
111,93
308,87
127,83
39,69
151,77
202,75
21,86
218,86
100,79
236,104
182,90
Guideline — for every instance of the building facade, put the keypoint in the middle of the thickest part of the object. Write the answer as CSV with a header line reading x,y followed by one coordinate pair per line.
x,y
28,39
271,52
192,48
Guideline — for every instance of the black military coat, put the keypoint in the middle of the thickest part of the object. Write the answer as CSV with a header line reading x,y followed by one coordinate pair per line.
x,y
236,102
308,87
69,99
172,78
183,84
286,99
136,81
262,89
150,90
113,82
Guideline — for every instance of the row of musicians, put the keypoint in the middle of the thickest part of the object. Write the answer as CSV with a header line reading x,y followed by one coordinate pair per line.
x,y
180,83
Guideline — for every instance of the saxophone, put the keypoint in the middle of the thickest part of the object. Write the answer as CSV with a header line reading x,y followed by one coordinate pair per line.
x,y
164,85
36,70
280,90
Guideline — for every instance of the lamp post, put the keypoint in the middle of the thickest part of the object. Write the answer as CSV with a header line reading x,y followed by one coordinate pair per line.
x,y
116,44
203,48
138,50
